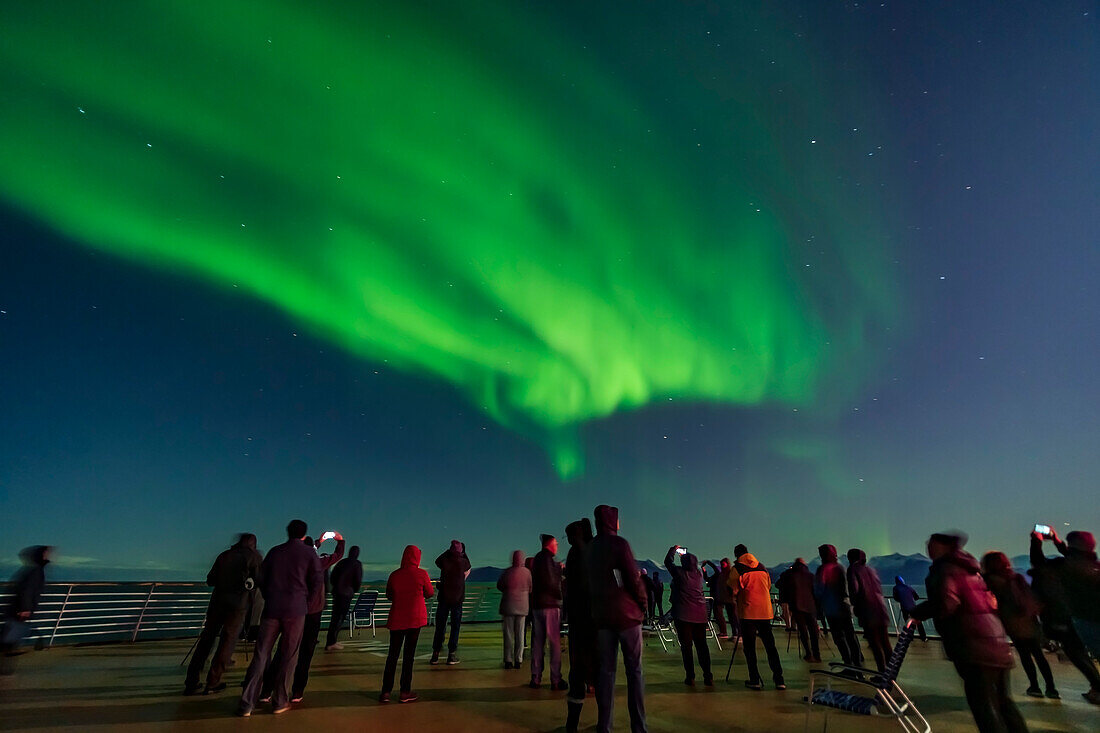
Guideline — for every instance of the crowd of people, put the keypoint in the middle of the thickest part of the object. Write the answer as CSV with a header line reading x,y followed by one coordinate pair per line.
x,y
602,598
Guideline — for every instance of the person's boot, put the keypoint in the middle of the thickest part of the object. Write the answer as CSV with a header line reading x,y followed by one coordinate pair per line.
x,y
452,658
1033,690
435,657
573,719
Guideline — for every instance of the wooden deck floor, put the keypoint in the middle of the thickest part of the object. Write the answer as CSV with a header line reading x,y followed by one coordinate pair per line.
x,y
138,686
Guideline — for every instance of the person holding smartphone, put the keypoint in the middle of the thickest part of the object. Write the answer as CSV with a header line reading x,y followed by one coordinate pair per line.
x,y
689,610
1062,584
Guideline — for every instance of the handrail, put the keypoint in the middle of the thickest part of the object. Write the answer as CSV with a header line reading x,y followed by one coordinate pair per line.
x,y
77,612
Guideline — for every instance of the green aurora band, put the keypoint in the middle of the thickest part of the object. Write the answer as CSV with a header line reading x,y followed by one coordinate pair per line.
x,y
463,192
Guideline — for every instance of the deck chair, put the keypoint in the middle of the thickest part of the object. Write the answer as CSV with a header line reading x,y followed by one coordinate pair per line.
x,y
887,700
362,614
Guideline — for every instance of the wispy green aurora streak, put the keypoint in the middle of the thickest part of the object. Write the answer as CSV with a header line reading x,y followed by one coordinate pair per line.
x,y
456,191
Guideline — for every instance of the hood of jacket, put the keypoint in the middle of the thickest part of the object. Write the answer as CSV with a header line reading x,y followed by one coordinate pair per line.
x,y
827,553
353,553
749,560
35,555
518,558
856,556
457,547
800,566
689,562
579,533
607,519
410,558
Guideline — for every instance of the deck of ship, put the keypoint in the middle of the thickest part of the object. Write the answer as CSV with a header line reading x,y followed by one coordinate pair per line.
x,y
137,687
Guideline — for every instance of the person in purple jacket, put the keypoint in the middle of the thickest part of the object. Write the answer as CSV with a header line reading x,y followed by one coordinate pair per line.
x,y
288,576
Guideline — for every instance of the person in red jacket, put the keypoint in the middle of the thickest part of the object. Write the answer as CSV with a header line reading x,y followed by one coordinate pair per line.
x,y
407,588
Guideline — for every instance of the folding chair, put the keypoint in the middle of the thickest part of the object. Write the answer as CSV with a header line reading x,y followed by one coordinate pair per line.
x,y
663,626
362,614
711,631
889,700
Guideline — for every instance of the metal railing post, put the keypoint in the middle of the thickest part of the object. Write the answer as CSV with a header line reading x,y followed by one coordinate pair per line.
x,y
57,624
137,626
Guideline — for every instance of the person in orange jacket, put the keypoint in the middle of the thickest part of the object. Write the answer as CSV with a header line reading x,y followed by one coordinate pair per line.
x,y
751,584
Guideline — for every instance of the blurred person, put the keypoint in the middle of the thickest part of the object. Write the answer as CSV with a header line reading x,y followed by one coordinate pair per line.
x,y
1018,610
689,611
1061,585
647,581
618,607
582,633
232,576
796,585
658,594
751,583
721,596
831,593
514,585
347,579
289,576
454,567
26,593
408,588
907,598
963,611
865,590
547,598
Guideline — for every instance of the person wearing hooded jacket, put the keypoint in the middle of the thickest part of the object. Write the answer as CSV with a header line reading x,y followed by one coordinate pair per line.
x,y
618,608
582,634
865,590
453,566
514,585
26,592
233,576
831,593
689,610
965,615
755,610
796,589
546,598
347,579
1019,612
407,588
1062,585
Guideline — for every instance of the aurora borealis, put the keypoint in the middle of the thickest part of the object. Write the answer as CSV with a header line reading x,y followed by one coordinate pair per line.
x,y
472,218
571,226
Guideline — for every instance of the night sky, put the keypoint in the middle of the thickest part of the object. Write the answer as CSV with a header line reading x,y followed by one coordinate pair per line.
x,y
772,273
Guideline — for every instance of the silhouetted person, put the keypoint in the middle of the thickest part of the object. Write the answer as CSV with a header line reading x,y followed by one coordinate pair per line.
x,y
346,580
796,589
618,607
311,630
453,566
831,592
1018,610
658,594
546,577
689,611
751,583
1057,582
961,606
906,599
407,589
865,590
26,589
515,587
290,573
582,632
651,601
233,576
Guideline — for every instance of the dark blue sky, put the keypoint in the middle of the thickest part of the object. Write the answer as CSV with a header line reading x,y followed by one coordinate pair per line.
x,y
149,415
